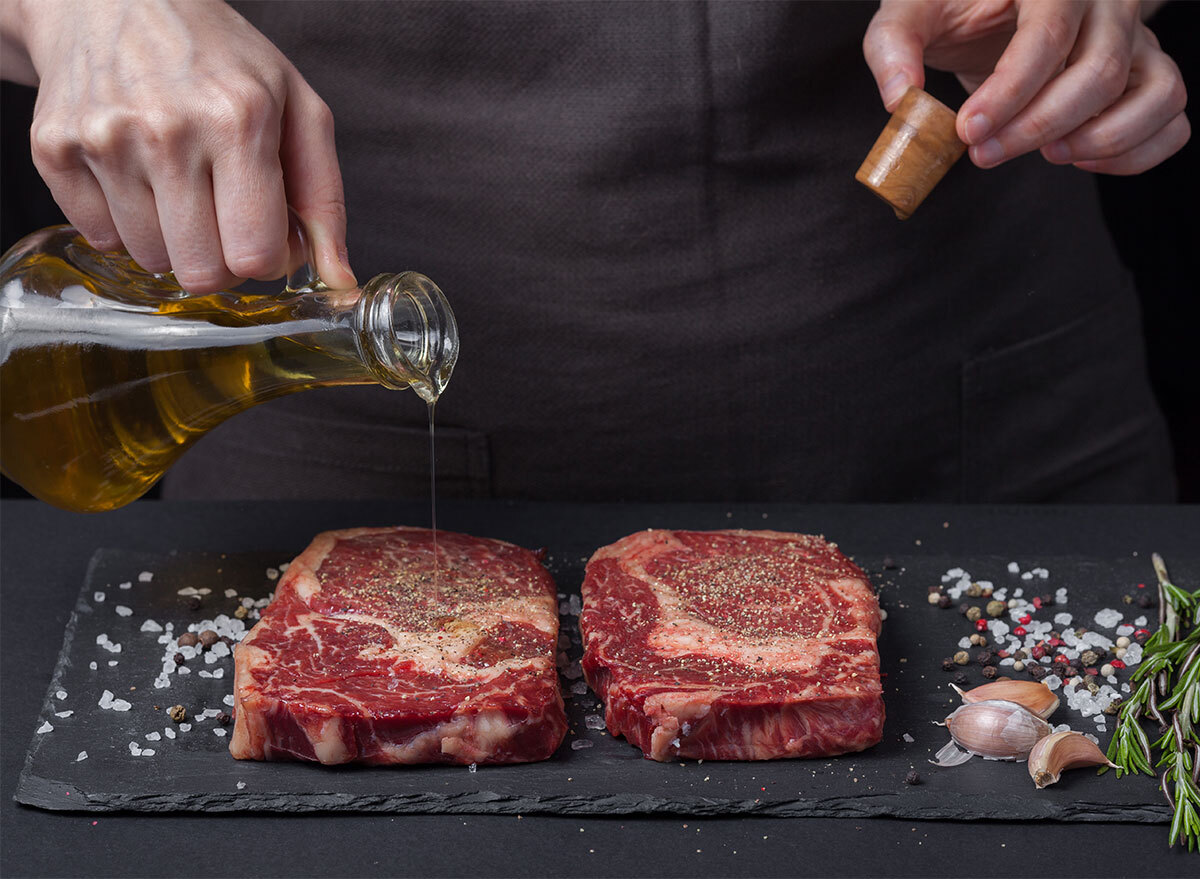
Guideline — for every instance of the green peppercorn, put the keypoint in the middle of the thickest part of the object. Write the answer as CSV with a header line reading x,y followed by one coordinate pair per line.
x,y
974,613
996,608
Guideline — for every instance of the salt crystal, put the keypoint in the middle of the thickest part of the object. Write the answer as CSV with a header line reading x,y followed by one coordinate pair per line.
x,y
210,657
1133,654
241,785
228,700
98,596
573,671
1140,621
284,566
580,744
204,673
183,670
45,727
272,573
219,649
964,642
579,688
145,576
92,665
219,673
102,638
187,590
576,605
106,699
1014,568
126,585
112,663
1017,593
1124,688
1124,629
262,602
247,603
593,721
152,737
908,738
161,682
123,611
168,732
82,756
999,594
1028,575
1052,681
112,647
135,749
1062,619
121,705
60,695
1109,617
231,593
185,727
1062,727
67,713
151,626
472,768
219,732
211,712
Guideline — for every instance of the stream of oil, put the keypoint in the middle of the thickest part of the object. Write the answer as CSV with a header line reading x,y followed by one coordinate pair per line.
x,y
433,498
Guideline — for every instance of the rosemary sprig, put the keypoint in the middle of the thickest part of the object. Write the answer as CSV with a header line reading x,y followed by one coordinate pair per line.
x,y
1168,692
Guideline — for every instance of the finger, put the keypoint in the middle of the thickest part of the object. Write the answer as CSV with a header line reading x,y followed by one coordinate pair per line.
x,y
73,186
189,229
313,182
894,48
251,214
1156,96
1043,40
1144,156
1096,75
134,213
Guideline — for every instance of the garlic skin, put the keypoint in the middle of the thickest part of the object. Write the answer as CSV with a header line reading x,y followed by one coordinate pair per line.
x,y
997,729
1061,751
1034,696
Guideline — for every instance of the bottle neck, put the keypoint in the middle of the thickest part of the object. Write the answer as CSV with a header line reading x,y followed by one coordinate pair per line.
x,y
406,334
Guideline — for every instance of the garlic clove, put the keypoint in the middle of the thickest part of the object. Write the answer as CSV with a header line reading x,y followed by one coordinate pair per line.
x,y
1032,695
1061,751
997,729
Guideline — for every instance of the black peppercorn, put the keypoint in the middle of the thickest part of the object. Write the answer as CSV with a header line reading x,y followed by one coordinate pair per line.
x,y
985,657
963,608
944,601
913,777
989,671
961,679
1037,672
1047,601
948,664
223,719
1146,600
179,659
193,602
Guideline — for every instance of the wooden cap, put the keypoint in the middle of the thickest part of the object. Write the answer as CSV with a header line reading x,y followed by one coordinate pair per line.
x,y
914,152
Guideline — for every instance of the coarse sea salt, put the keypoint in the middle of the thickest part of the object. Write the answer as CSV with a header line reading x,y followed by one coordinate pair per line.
x,y
128,585
908,738
580,744
66,713
593,721
82,756
231,593
112,663
106,699
1062,619
45,727
1014,568
579,688
123,611
151,626
92,665
185,727
97,597
472,768
273,573
1108,617
60,695
121,705
241,785
147,752
228,700
219,731
153,736
145,576
168,732
1140,621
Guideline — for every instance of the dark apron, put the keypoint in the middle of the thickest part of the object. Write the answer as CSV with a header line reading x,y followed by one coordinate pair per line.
x,y
670,287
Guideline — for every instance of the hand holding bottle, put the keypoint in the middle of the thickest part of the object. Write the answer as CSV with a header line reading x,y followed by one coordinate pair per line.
x,y
175,130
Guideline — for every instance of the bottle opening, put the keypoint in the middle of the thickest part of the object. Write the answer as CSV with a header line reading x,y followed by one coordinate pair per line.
x,y
408,333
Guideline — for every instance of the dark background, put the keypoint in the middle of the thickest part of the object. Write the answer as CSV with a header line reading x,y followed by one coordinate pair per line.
x,y
1152,219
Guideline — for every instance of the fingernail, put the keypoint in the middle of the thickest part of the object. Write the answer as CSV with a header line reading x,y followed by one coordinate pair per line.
x,y
988,153
1057,152
978,127
894,89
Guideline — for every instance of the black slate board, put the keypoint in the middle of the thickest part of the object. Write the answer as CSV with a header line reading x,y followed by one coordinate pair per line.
x,y
195,772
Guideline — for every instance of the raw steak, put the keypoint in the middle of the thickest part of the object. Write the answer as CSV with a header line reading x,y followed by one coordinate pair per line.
x,y
364,655
732,645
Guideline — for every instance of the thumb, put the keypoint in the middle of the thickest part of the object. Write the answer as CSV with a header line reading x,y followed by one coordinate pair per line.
x,y
314,188
894,47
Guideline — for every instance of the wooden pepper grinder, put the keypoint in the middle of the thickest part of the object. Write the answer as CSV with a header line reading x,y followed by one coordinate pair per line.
x,y
914,152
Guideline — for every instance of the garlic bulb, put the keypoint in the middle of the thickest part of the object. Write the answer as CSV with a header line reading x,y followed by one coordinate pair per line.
x,y
1060,751
997,729
1032,695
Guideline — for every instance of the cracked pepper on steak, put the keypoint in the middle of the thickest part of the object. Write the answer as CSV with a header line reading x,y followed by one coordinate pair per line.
x,y
364,655
733,645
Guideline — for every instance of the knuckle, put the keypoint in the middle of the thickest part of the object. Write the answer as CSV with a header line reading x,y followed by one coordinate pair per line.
x,y
1059,32
1176,96
243,109
257,263
198,279
163,129
102,133
1110,73
52,146
321,116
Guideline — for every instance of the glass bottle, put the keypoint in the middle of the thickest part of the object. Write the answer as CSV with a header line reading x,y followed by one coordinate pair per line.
x,y
108,373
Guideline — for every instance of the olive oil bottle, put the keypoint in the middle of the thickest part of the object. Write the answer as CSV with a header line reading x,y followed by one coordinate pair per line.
x,y
109,373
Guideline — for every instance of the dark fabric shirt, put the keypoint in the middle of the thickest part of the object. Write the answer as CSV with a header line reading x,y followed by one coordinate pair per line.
x,y
670,287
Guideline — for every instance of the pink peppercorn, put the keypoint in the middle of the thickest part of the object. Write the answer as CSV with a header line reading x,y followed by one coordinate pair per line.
x,y
1020,632
1025,620
1117,663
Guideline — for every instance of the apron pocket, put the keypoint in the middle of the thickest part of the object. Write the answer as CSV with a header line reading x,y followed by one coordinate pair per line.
x,y
1066,416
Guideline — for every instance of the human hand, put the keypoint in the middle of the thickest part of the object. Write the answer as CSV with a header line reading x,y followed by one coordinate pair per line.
x,y
175,129
1083,82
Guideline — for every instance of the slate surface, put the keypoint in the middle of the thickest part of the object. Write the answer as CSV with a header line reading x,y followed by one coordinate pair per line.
x,y
195,773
